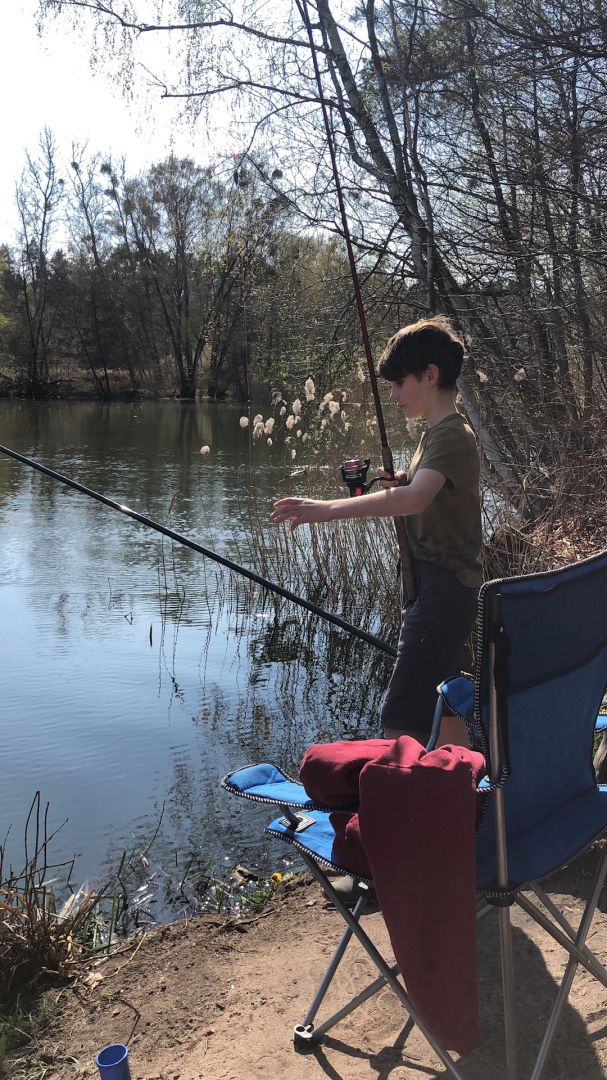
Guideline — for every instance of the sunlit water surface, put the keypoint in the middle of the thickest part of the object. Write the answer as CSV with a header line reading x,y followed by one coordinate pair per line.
x,y
135,673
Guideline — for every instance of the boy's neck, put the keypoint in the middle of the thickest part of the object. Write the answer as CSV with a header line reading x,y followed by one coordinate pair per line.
x,y
441,406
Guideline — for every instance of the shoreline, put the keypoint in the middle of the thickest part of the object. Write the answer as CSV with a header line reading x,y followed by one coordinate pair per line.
x,y
215,998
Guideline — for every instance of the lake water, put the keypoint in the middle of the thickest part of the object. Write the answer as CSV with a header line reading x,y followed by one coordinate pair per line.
x,y
136,673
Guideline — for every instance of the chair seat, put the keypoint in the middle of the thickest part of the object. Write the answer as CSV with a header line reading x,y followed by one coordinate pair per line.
x,y
315,840
530,856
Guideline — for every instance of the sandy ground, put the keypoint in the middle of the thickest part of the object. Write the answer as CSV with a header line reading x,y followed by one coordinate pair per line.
x,y
209,999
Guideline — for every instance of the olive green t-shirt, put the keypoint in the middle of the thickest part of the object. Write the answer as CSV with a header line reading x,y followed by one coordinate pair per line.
x,y
448,531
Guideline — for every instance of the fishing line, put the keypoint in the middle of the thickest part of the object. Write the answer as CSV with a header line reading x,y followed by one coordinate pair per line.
x,y
355,631
386,453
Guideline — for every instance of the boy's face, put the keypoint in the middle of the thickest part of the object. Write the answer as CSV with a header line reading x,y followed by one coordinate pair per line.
x,y
411,394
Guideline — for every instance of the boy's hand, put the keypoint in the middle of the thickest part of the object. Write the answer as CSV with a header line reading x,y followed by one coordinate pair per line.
x,y
301,511
398,480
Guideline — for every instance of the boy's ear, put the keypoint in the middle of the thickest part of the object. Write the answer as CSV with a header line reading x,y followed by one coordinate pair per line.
x,y
432,373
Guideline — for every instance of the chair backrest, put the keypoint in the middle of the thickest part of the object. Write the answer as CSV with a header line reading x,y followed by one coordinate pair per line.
x,y
551,641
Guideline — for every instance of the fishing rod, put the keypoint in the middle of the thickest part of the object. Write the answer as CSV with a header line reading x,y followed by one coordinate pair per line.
x,y
355,631
386,453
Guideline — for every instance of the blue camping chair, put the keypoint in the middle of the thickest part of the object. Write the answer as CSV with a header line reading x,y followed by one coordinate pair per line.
x,y
532,711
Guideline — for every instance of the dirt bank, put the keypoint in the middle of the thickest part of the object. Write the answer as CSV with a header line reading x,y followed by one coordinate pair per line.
x,y
210,999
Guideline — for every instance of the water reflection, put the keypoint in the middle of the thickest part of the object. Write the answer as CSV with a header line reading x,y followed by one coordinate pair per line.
x,y
136,673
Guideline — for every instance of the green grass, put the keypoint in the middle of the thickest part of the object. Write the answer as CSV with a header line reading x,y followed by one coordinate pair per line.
x,y
21,1031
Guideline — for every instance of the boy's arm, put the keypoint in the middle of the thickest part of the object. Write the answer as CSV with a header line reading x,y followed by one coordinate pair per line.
x,y
393,502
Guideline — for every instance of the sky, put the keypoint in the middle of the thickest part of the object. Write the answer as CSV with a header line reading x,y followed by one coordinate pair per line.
x,y
48,81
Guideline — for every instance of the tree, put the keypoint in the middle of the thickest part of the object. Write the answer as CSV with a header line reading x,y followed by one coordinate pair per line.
x,y
195,246
39,195
119,315
10,321
470,141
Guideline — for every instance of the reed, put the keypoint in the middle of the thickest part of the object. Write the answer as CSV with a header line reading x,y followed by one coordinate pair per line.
x,y
349,570
555,517
45,938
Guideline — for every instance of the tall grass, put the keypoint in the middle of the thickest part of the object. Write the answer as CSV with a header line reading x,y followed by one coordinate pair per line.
x,y
43,937
555,516
348,568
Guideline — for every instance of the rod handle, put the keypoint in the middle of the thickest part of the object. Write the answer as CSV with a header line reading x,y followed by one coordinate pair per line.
x,y
406,565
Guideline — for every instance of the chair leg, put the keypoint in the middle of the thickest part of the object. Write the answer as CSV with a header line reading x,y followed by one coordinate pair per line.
x,y
550,906
501,848
505,929
333,966
388,973
571,968
304,1035
568,941
307,1034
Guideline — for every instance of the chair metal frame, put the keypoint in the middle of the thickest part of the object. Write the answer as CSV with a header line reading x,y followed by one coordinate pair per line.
x,y
502,896
571,940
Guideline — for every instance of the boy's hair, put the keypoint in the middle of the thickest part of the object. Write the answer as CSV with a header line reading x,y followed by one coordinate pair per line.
x,y
428,341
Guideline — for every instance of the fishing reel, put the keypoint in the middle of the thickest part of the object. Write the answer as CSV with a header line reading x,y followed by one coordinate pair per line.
x,y
354,475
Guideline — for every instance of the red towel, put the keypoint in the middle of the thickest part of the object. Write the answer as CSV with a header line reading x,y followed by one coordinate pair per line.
x,y
416,821
330,771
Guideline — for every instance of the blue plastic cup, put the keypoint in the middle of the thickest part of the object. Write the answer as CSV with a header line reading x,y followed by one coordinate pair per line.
x,y
113,1062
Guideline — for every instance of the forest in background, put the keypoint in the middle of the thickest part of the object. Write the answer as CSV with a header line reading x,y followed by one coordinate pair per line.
x,y
185,280
471,143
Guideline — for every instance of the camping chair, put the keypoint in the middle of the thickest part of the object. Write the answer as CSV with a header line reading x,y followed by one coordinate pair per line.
x,y
531,710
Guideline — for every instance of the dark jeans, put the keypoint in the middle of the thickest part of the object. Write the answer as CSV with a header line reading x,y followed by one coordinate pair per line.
x,y
433,634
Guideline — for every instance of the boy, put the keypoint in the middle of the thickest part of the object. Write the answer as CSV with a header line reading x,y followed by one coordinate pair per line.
x,y
439,495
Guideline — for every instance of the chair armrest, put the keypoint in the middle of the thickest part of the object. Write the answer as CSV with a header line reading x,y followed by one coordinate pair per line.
x,y
458,695
266,783
600,757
